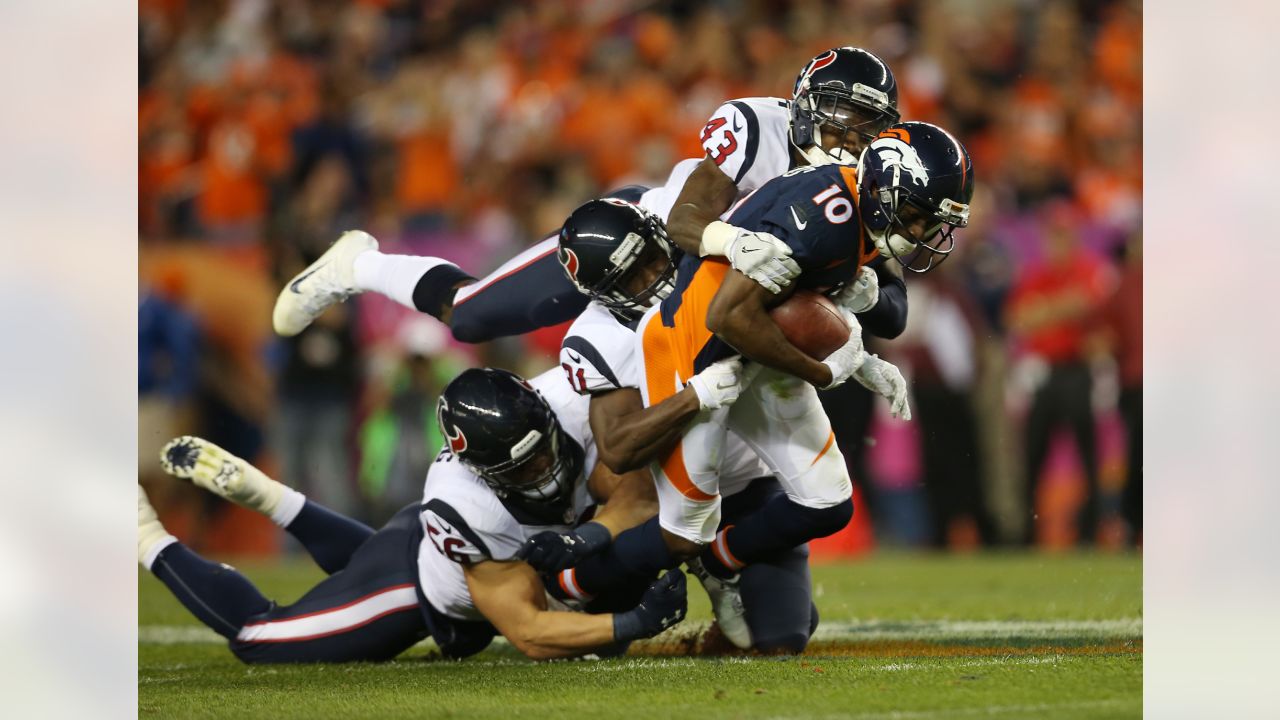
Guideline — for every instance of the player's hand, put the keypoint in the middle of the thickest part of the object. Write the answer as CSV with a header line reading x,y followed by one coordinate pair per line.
x,y
862,294
663,604
551,552
719,385
763,258
845,361
883,378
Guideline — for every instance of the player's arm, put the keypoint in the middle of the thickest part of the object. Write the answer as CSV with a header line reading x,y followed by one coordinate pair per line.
x,y
888,317
629,498
511,596
706,195
628,434
739,315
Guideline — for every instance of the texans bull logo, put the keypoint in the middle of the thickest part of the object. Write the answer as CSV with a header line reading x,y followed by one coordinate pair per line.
x,y
569,259
457,443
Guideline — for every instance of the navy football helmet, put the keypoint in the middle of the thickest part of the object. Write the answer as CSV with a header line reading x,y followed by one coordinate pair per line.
x,y
503,430
848,90
604,241
914,174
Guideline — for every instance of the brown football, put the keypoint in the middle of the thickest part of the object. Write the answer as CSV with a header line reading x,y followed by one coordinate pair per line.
x,y
812,323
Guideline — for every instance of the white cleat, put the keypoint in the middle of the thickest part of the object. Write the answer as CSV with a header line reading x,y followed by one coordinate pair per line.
x,y
150,532
726,603
221,473
329,280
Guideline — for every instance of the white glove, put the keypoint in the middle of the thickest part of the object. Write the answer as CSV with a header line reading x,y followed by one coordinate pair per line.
x,y
862,294
719,385
883,378
758,255
845,361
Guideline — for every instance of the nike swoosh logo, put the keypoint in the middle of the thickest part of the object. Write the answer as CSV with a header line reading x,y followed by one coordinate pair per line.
x,y
736,126
573,357
749,250
294,285
795,216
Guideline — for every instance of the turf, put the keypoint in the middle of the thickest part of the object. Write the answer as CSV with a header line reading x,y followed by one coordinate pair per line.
x,y
903,636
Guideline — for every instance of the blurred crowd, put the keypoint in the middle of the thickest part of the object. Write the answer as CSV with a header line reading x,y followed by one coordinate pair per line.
x,y
469,130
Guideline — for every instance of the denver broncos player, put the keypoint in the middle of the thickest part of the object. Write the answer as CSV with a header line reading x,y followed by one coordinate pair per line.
x,y
519,461
910,191
618,254
840,100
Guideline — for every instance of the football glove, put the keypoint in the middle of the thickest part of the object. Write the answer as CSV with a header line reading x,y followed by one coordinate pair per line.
x,y
862,294
663,604
718,385
551,552
883,378
758,255
845,361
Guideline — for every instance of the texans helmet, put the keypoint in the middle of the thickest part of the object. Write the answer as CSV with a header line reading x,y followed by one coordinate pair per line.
x,y
503,430
849,90
604,241
914,172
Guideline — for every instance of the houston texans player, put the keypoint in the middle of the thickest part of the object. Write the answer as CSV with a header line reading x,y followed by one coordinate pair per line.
x,y
909,193
520,459
840,100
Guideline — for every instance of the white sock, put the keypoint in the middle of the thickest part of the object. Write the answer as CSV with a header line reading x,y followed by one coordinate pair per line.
x,y
290,505
149,555
393,276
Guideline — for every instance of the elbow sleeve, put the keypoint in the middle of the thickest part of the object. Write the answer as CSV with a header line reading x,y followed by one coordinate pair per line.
x,y
889,316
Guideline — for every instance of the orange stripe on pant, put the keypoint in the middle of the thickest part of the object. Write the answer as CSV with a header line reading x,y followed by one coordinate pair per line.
x,y
669,354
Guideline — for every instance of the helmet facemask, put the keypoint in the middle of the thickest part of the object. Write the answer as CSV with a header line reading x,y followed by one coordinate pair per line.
x,y
901,208
633,253
541,469
862,112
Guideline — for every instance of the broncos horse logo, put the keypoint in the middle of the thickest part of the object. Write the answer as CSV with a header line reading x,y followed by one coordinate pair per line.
x,y
896,154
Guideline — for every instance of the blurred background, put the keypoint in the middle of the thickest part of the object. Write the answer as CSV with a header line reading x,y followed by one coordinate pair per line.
x,y
469,130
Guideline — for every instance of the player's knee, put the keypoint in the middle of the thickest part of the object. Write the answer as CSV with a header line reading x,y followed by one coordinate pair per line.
x,y
465,329
792,643
829,520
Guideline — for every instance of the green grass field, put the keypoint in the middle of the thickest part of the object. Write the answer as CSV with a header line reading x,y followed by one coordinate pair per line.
x,y
903,636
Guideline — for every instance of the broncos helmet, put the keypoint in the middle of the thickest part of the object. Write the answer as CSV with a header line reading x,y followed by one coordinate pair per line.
x,y
503,430
914,171
848,89
603,241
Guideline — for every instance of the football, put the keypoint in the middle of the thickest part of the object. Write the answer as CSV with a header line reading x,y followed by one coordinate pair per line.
x,y
812,323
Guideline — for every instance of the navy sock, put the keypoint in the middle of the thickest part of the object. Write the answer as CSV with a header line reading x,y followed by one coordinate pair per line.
x,y
215,593
636,556
435,289
779,525
330,538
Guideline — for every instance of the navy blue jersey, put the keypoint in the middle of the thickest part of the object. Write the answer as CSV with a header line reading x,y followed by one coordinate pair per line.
x,y
814,210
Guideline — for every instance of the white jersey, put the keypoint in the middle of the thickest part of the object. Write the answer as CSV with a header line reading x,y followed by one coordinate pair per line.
x,y
749,138
465,522
598,354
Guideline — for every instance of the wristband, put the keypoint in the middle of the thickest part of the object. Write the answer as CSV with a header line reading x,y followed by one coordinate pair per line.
x,y
716,238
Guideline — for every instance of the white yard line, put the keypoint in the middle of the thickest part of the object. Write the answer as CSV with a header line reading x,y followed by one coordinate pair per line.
x,y
857,631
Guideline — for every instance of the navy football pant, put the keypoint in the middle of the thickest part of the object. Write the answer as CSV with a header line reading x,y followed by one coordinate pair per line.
x,y
529,292
370,609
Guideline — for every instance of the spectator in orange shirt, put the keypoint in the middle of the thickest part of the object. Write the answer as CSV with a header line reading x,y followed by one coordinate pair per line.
x,y
1049,312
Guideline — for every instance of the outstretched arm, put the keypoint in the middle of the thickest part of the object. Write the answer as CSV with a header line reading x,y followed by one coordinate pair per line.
x,y
628,434
511,597
706,195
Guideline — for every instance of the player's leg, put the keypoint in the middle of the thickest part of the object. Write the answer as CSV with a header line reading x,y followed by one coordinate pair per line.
x,y
1079,410
777,589
215,593
782,420
528,292
370,611
329,537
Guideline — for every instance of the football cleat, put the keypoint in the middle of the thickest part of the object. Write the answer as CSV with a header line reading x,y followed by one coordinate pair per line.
x,y
726,603
221,473
150,531
328,280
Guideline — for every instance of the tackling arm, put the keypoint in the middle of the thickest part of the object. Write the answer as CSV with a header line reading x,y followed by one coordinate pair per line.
x,y
628,434
739,315
510,595
888,318
629,498
705,196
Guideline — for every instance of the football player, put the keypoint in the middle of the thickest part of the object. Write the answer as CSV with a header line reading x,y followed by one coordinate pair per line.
x,y
618,254
903,202
520,459
840,100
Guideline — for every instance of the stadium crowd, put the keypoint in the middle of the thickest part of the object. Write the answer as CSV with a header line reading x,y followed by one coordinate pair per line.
x,y
469,130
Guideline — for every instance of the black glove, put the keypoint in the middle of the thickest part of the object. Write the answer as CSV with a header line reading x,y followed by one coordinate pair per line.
x,y
662,605
551,552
